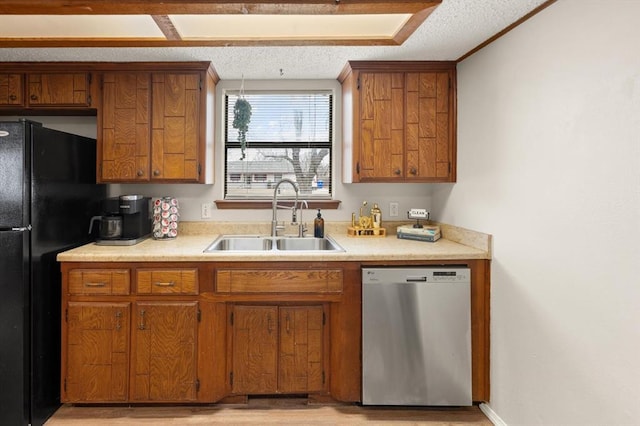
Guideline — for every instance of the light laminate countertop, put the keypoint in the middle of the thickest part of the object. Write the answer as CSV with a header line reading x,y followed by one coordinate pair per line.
x,y
189,246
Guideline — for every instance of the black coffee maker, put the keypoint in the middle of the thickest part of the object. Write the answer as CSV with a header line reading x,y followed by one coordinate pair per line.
x,y
126,220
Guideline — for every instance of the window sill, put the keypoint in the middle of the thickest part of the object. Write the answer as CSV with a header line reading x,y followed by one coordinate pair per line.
x,y
266,204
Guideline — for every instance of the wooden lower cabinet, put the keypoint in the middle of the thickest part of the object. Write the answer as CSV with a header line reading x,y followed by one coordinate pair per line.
x,y
97,352
164,358
161,361
277,349
226,330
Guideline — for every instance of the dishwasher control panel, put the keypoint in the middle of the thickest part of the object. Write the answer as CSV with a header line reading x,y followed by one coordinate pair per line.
x,y
423,274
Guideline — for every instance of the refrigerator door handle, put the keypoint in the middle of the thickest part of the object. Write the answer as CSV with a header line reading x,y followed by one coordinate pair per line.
x,y
24,228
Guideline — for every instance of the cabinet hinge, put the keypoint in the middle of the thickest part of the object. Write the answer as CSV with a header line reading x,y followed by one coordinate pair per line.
x,y
89,78
231,318
358,167
197,385
231,378
89,100
358,83
66,315
200,84
199,169
199,315
324,319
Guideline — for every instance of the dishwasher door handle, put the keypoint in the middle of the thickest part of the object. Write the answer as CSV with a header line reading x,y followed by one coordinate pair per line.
x,y
422,279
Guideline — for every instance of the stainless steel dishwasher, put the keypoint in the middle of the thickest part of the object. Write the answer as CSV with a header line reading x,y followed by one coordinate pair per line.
x,y
416,336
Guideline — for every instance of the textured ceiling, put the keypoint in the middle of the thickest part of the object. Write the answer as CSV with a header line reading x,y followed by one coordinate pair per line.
x,y
452,30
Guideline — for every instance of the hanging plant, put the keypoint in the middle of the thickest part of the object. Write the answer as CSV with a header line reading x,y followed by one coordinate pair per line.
x,y
241,120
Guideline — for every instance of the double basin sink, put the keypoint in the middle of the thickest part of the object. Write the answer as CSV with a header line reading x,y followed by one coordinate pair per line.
x,y
231,243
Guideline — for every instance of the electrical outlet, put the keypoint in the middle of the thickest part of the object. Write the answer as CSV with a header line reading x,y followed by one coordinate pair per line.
x,y
206,211
393,209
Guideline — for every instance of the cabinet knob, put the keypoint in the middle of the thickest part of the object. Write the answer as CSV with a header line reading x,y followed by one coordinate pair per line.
x,y
34,97
396,172
413,171
13,97
156,172
140,173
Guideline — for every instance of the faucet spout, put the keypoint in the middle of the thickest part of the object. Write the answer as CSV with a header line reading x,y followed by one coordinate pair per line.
x,y
274,205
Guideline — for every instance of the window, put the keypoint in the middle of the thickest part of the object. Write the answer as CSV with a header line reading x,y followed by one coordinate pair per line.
x,y
289,136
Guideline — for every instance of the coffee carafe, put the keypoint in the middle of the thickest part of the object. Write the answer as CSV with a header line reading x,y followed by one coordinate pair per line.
x,y
126,220
110,226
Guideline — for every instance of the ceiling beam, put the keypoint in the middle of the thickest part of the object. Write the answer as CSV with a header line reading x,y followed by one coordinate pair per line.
x,y
166,26
262,7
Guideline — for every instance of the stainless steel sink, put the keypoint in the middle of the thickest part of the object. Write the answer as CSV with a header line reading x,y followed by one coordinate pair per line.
x,y
306,244
242,243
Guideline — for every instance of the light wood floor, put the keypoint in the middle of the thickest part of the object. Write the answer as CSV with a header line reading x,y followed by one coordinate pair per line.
x,y
266,411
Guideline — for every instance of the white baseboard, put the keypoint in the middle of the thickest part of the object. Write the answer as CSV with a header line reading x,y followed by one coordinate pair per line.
x,y
491,415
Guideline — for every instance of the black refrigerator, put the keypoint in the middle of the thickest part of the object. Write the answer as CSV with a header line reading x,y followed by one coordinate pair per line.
x,y
48,194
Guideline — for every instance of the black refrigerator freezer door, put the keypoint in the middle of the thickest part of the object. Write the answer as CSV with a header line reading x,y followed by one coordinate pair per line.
x,y
14,323
64,196
13,177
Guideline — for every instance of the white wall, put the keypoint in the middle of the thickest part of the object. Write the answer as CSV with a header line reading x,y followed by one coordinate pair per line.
x,y
549,163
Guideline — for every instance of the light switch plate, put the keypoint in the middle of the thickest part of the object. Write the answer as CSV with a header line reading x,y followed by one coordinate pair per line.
x,y
393,209
206,211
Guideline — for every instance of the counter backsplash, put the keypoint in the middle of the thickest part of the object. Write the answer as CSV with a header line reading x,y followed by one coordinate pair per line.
x,y
456,234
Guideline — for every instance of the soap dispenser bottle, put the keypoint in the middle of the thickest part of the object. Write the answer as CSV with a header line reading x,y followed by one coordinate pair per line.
x,y
318,226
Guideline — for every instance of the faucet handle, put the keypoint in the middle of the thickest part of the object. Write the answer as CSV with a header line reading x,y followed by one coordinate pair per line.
x,y
302,228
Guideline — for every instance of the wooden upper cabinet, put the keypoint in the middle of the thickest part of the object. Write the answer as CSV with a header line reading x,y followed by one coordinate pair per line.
x,y
11,90
399,121
175,130
59,89
156,124
124,138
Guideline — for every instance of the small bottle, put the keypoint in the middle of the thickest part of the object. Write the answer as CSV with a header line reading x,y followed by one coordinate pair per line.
x,y
318,226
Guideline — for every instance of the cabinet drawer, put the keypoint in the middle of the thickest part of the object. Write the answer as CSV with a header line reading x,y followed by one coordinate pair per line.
x,y
167,281
99,281
272,281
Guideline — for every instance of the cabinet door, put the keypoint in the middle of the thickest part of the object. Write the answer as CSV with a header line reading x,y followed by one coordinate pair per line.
x,y
124,127
11,90
301,349
428,133
255,349
97,352
175,127
58,89
164,351
381,126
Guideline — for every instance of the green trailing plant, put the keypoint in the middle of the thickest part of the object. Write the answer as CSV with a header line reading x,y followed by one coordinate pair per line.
x,y
241,120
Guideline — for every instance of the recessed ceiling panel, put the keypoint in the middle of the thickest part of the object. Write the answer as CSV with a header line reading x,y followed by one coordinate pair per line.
x,y
78,26
288,26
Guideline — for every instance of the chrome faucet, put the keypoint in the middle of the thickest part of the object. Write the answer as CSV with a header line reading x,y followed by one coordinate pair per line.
x,y
274,207
301,226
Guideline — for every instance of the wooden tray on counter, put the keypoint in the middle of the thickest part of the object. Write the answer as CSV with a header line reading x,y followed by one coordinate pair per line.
x,y
366,232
